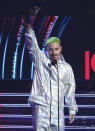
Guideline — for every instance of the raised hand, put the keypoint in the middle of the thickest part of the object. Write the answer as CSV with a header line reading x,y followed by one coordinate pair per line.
x,y
30,16
28,19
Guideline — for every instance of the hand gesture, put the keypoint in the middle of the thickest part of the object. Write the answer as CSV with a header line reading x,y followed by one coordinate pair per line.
x,y
71,118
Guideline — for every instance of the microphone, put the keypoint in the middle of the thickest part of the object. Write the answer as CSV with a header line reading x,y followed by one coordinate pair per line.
x,y
54,63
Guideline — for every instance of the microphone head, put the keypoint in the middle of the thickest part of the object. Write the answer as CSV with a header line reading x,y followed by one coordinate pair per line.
x,y
53,62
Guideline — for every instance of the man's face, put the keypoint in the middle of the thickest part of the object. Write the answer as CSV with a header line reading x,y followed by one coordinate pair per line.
x,y
54,50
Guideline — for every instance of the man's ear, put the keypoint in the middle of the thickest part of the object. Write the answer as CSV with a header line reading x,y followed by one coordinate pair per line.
x,y
61,47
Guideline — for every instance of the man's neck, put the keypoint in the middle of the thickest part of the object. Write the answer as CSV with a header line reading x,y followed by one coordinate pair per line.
x,y
58,60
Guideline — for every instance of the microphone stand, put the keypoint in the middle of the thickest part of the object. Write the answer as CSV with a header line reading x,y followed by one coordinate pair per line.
x,y
54,62
58,93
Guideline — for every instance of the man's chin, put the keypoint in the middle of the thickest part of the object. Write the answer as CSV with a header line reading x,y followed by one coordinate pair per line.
x,y
53,58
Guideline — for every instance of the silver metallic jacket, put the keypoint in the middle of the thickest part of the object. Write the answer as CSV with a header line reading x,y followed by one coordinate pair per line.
x,y
44,89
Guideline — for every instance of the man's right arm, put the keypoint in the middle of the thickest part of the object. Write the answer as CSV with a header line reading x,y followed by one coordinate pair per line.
x,y
36,55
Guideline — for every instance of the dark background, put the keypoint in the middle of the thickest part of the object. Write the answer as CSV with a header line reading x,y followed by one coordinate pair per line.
x,y
58,7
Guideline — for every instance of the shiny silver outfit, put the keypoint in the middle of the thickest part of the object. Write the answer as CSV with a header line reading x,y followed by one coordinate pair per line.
x,y
44,92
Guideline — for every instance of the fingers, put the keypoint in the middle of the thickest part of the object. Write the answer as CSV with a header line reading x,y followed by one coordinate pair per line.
x,y
29,16
72,117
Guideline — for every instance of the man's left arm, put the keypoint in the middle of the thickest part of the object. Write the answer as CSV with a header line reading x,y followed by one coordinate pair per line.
x,y
70,95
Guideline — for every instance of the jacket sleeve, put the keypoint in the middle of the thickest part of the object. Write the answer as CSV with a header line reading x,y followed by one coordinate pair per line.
x,y
35,54
70,92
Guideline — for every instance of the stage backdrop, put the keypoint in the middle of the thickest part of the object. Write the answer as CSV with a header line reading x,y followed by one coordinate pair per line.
x,y
77,38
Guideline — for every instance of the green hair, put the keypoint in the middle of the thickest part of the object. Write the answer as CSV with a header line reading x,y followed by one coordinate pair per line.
x,y
52,40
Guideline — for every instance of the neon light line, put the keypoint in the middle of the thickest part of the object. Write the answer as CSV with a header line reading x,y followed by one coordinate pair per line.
x,y
2,28
15,116
5,49
79,127
14,68
27,105
15,126
21,64
49,30
31,127
32,70
15,62
61,25
30,116
43,21
64,26
53,26
44,26
27,94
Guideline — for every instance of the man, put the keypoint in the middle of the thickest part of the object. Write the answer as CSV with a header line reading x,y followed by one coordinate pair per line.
x,y
53,79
